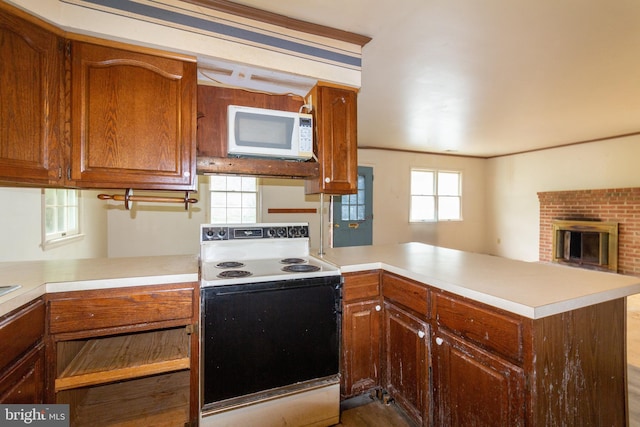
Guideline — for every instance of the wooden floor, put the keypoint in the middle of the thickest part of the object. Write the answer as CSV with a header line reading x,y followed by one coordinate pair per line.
x,y
366,412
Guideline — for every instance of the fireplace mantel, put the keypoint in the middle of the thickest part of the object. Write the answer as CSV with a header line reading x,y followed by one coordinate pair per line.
x,y
586,244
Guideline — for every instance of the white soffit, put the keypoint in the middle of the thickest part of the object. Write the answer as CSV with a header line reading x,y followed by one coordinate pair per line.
x,y
231,50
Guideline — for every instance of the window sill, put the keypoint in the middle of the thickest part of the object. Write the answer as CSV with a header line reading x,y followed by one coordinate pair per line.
x,y
61,241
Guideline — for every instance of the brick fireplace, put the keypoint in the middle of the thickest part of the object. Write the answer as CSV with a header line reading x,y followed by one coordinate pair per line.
x,y
620,205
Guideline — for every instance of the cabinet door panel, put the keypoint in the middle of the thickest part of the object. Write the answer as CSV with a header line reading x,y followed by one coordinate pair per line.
x,y
30,89
362,322
475,388
335,116
407,361
24,382
20,330
133,119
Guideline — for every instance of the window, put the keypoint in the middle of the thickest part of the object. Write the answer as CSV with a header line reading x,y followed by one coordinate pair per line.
x,y
435,196
234,199
353,205
60,216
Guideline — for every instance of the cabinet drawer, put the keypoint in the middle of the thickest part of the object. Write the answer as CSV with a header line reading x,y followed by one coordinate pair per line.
x,y
109,308
406,292
20,330
361,285
481,325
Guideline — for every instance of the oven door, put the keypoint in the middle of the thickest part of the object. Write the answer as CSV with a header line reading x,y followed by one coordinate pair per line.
x,y
264,336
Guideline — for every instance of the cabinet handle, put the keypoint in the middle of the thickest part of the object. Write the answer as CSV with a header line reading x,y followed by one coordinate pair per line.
x,y
439,341
421,334
378,308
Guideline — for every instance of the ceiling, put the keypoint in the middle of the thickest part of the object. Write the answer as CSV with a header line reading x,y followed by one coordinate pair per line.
x,y
491,77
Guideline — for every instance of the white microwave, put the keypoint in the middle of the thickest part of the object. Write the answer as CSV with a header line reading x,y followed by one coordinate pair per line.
x,y
259,132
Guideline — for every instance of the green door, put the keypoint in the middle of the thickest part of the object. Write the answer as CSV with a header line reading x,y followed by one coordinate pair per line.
x,y
353,213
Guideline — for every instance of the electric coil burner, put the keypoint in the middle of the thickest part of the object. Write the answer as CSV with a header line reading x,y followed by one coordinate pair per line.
x,y
229,264
301,268
270,327
234,274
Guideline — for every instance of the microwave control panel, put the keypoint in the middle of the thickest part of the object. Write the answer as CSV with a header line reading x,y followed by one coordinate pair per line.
x,y
306,134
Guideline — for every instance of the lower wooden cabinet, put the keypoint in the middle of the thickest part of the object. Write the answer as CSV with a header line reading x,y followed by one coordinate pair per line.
x,y
407,350
362,323
361,333
126,356
451,361
24,382
473,387
22,356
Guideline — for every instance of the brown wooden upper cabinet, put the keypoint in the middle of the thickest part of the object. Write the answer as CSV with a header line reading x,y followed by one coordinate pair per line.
x,y
30,111
336,139
93,113
133,119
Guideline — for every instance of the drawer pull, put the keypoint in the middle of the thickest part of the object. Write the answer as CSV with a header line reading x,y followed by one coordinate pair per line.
x,y
439,341
378,307
421,334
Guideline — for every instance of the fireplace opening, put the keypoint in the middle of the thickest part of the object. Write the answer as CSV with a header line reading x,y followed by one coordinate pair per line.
x,y
586,244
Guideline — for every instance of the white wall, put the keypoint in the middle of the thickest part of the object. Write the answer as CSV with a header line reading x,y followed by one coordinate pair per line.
x,y
289,194
391,190
512,220
21,227
150,229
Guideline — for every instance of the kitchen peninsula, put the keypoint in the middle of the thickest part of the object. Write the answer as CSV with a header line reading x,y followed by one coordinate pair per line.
x,y
459,338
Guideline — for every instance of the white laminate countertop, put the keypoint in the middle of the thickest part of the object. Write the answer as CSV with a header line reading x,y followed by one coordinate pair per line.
x,y
530,289
39,277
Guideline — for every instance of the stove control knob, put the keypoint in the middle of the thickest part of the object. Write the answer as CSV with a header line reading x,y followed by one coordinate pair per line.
x,y
303,231
272,232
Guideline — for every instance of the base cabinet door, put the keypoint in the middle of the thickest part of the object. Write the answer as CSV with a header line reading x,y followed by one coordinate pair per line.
x,y
407,376
361,326
24,382
473,387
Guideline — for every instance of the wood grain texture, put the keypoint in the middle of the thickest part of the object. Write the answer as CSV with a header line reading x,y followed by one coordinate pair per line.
x,y
30,88
126,356
133,119
581,367
361,285
160,400
335,116
406,292
482,325
110,308
407,360
20,330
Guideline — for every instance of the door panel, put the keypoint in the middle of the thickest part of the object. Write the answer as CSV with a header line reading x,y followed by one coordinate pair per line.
x,y
353,213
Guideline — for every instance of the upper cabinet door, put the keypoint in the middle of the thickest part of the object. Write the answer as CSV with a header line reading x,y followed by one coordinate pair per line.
x,y
30,110
133,119
335,116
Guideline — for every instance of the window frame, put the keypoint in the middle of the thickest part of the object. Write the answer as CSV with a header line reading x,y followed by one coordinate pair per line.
x,y
66,235
257,193
435,195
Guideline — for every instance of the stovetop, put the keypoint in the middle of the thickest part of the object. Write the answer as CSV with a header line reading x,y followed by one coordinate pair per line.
x,y
250,253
